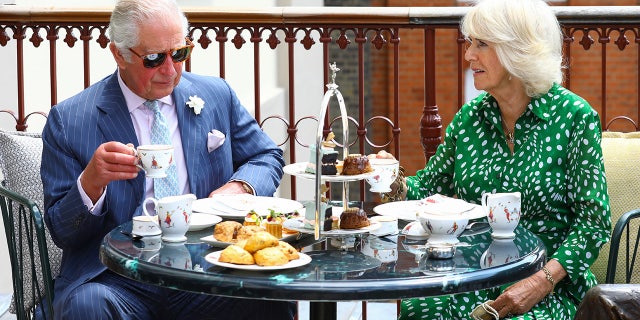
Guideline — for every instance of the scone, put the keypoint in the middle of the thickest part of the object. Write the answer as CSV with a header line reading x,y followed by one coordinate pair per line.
x,y
226,231
236,255
260,240
246,232
270,256
288,250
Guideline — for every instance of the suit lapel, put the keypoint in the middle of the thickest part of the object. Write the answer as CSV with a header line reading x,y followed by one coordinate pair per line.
x,y
192,134
114,121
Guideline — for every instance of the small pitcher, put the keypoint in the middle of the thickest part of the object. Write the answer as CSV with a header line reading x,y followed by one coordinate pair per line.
x,y
174,214
503,213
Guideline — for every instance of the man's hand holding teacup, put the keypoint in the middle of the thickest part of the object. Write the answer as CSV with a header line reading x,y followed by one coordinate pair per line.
x,y
111,161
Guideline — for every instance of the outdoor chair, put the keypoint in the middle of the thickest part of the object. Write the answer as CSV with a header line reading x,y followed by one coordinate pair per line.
x,y
28,252
36,261
621,152
625,233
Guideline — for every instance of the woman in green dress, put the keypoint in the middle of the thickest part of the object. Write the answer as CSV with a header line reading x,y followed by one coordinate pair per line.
x,y
524,133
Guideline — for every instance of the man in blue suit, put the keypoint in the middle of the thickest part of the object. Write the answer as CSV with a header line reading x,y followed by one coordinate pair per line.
x,y
91,182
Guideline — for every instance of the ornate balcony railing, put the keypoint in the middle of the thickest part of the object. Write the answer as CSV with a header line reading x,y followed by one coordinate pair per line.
x,y
403,72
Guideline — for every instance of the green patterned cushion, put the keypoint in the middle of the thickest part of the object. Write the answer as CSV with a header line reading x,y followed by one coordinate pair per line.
x,y
20,157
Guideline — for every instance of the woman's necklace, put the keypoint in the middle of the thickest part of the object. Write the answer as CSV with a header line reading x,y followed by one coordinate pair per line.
x,y
508,134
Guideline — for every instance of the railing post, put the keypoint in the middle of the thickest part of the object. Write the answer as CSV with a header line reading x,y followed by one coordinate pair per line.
x,y
430,122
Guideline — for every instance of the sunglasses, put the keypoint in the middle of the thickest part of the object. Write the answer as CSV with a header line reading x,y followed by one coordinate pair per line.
x,y
154,60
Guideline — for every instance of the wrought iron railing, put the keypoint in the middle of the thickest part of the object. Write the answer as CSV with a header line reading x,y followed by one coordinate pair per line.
x,y
403,72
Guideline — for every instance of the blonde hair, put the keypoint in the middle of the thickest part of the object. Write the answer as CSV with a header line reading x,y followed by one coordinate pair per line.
x,y
526,36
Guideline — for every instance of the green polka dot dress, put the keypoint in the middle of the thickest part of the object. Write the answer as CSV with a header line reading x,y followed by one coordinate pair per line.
x,y
557,166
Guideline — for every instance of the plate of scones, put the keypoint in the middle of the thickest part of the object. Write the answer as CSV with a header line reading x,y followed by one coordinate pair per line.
x,y
261,251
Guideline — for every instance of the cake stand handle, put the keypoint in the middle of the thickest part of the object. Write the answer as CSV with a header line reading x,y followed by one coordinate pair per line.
x,y
332,90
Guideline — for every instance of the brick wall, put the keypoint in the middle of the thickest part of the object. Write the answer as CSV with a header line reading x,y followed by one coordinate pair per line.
x,y
585,80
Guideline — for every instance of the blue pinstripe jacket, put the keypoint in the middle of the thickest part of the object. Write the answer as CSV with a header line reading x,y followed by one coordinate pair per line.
x,y
78,125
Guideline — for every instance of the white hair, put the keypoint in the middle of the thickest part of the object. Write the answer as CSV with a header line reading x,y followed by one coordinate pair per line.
x,y
527,38
129,15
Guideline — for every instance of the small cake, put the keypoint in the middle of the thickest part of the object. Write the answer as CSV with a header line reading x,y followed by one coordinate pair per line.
x,y
356,164
328,157
353,218
274,223
252,219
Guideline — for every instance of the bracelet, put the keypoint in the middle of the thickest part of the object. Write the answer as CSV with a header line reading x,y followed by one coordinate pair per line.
x,y
549,277
397,195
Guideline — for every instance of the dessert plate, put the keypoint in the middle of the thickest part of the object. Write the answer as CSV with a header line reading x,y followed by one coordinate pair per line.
x,y
298,225
201,221
214,256
237,206
297,169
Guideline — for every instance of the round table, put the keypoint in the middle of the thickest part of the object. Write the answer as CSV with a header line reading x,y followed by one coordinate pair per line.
x,y
370,268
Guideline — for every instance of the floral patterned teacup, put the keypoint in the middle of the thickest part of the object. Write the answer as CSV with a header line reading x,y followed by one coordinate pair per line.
x,y
385,172
174,214
503,213
155,159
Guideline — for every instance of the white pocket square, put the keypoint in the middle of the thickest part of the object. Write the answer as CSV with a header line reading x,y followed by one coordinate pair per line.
x,y
215,139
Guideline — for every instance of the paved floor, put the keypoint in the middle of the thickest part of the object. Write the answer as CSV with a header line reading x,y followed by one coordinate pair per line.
x,y
346,310
353,311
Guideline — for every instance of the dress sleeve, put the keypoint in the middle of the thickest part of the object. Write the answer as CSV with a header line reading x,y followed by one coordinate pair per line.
x,y
437,175
587,197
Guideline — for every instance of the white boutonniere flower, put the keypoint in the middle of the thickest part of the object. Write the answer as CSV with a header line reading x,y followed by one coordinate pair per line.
x,y
196,104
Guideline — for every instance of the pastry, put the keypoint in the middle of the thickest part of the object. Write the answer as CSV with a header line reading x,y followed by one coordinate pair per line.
x,y
270,256
356,164
353,218
252,219
235,254
328,157
246,232
260,240
289,250
274,222
226,231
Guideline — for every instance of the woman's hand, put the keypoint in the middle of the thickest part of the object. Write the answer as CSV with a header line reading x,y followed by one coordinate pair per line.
x,y
523,295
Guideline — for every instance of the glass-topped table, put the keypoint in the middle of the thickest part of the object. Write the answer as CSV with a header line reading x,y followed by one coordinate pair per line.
x,y
363,268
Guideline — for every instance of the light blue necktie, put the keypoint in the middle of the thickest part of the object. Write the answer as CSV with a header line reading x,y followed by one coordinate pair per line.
x,y
168,186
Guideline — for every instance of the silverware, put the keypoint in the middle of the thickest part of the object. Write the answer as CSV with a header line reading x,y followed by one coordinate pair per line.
x,y
133,236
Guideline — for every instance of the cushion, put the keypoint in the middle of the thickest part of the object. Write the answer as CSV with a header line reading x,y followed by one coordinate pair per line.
x,y
20,157
621,152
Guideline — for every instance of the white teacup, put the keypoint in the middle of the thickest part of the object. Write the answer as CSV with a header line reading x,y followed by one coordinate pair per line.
x,y
146,225
385,172
503,213
174,214
155,159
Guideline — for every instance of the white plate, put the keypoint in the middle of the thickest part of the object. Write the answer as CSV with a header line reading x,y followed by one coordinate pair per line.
x,y
407,210
201,221
214,256
211,240
298,225
260,205
297,169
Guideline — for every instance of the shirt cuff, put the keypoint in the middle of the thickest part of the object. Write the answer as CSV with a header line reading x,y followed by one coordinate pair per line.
x,y
94,208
